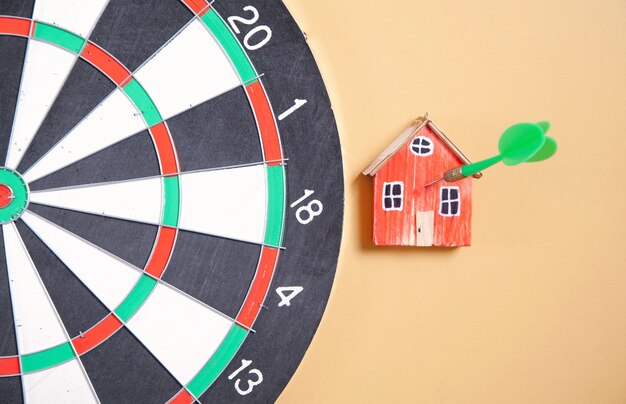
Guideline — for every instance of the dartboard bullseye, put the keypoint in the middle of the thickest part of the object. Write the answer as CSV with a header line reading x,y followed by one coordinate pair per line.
x,y
13,195
171,200
6,195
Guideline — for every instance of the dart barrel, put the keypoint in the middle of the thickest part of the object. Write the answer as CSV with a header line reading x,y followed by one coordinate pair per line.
x,y
453,175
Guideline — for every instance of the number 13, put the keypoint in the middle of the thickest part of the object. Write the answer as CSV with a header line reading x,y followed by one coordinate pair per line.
x,y
251,383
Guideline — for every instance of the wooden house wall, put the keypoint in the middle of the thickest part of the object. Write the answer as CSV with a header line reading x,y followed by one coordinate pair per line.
x,y
399,227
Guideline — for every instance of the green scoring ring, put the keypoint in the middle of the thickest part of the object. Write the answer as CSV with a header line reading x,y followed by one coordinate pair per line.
x,y
18,205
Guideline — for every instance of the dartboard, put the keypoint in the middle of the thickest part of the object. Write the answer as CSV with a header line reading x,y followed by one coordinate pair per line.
x,y
171,200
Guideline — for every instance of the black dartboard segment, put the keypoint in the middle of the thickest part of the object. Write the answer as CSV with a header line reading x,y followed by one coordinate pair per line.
x,y
171,200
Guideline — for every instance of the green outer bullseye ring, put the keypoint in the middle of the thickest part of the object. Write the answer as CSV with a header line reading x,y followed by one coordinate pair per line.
x,y
19,203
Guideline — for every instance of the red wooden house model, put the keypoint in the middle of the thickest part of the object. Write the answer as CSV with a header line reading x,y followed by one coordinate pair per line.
x,y
405,211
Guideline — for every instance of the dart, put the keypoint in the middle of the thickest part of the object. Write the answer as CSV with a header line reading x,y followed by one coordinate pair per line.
x,y
520,143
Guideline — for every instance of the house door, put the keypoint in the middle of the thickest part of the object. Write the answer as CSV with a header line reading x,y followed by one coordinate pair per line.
x,y
424,228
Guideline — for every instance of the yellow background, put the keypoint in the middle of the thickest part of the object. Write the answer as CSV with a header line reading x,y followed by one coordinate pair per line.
x,y
535,310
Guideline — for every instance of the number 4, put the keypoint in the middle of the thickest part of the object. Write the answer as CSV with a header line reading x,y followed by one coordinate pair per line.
x,y
285,299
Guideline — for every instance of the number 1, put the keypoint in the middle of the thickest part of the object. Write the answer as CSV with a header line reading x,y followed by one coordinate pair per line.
x,y
298,104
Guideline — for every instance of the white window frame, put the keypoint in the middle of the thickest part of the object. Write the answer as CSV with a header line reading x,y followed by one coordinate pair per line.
x,y
449,201
432,146
392,196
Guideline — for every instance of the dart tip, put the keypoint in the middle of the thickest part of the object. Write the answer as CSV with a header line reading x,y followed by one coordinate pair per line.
x,y
433,182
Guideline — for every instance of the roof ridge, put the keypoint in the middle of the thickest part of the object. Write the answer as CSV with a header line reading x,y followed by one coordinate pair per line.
x,y
417,125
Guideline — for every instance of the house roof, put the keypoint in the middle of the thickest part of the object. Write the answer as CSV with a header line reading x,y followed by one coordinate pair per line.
x,y
417,125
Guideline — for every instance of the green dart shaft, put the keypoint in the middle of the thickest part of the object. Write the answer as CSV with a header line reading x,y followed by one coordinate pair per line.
x,y
471,169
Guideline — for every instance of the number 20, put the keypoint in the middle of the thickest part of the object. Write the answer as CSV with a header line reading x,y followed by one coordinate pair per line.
x,y
250,21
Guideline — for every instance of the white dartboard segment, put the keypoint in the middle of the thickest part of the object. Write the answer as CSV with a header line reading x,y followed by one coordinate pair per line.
x,y
180,332
37,324
66,383
77,16
45,69
138,200
114,120
229,203
189,70
109,278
